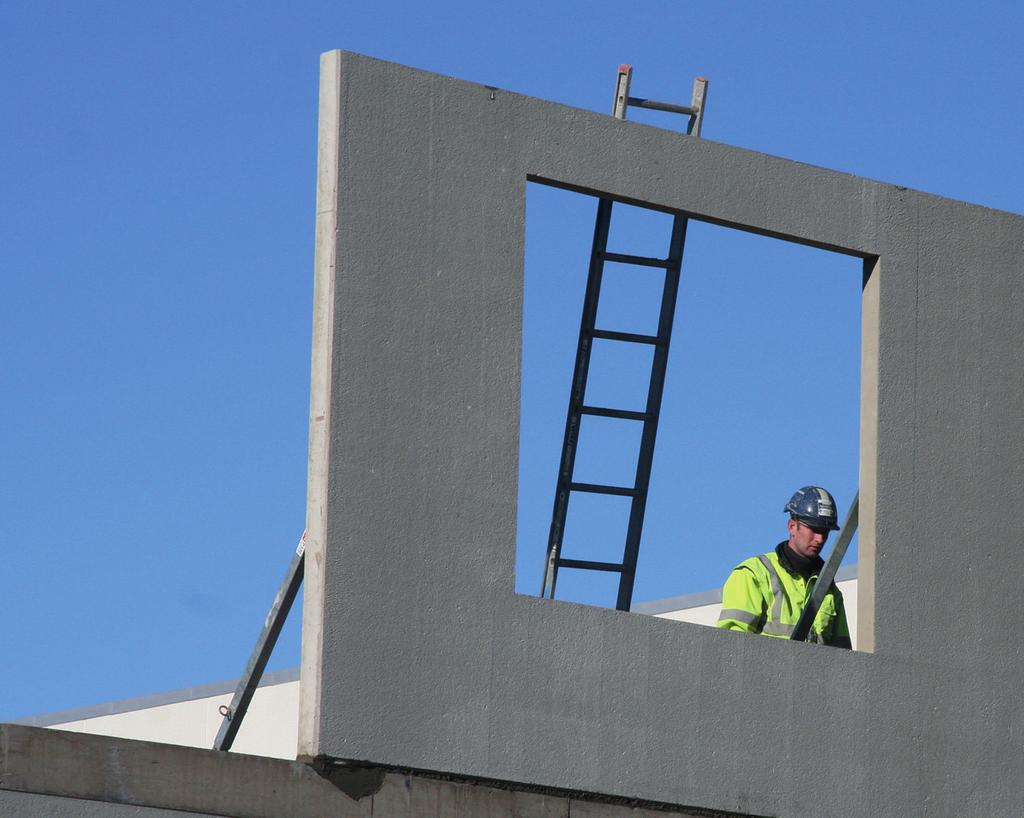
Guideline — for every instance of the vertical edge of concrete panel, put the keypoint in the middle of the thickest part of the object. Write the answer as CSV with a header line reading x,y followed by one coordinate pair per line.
x,y
868,456
324,265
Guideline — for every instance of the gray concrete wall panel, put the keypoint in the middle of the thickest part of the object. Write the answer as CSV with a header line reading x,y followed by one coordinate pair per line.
x,y
429,660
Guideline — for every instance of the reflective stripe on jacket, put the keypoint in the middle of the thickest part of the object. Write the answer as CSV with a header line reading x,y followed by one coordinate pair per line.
x,y
762,596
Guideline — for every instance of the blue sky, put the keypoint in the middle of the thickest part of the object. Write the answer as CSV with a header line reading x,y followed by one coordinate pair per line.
x,y
156,240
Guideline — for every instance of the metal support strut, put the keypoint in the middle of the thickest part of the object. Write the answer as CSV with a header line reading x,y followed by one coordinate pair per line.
x,y
828,573
235,712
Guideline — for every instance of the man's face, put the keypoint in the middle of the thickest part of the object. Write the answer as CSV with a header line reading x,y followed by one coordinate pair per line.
x,y
806,541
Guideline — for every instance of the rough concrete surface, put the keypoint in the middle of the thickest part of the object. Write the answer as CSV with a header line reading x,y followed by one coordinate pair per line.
x,y
418,653
29,805
65,765
54,774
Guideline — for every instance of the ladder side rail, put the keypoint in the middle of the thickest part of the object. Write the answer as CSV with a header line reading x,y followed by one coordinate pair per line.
x,y
700,95
235,712
828,573
654,395
576,396
623,79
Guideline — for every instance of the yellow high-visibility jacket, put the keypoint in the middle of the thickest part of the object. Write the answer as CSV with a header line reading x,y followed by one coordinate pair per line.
x,y
763,596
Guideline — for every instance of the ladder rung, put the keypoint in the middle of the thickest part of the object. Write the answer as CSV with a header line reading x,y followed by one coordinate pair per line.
x,y
594,488
591,566
624,414
670,107
642,261
611,335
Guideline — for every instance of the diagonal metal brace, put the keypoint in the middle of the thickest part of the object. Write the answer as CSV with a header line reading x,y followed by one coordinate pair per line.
x,y
235,712
828,573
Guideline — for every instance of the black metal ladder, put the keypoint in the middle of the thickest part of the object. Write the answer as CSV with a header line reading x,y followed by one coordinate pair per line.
x,y
577,397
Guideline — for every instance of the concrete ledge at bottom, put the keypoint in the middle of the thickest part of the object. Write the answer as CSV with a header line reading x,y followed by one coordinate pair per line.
x,y
97,775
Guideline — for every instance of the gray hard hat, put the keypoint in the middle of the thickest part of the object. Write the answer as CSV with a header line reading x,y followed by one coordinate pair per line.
x,y
813,506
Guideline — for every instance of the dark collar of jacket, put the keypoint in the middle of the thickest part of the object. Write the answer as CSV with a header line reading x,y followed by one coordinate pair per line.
x,y
795,564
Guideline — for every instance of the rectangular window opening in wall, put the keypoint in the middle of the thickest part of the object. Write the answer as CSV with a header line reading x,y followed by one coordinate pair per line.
x,y
762,395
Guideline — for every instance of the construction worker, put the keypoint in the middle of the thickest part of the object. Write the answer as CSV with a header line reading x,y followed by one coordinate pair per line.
x,y
766,594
